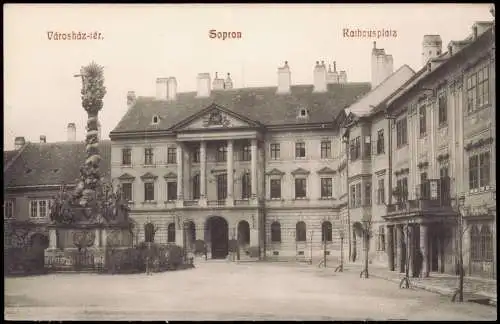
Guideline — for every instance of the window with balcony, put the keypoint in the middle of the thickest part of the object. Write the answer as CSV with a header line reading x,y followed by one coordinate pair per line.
x,y
442,108
171,155
221,187
401,132
221,153
171,190
300,150
149,191
126,156
8,208
196,187
355,148
402,189
356,195
39,208
245,186
246,154
478,89
380,142
326,149
127,191
148,156
368,194
423,120
424,186
275,151
326,188
275,188
479,170
381,192
300,188
445,182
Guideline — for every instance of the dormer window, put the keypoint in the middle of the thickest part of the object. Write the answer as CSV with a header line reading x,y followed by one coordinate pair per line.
x,y
156,119
303,113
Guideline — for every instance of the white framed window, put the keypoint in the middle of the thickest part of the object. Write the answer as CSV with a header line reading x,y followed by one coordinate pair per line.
x,y
8,209
39,208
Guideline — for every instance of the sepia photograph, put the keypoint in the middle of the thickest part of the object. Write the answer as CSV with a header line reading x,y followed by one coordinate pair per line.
x,y
249,162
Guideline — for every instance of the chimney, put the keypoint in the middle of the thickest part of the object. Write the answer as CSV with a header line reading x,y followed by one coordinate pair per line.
x,y
131,98
284,79
43,139
319,76
474,32
19,142
161,88
228,84
71,132
218,83
203,85
332,77
171,89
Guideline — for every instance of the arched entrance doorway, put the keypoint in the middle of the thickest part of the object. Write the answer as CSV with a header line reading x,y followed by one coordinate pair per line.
x,y
217,228
38,243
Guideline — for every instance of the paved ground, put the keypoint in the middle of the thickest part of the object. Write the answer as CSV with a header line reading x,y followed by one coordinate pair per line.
x,y
218,290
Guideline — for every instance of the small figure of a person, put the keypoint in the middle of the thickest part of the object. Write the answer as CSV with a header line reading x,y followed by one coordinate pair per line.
x,y
205,250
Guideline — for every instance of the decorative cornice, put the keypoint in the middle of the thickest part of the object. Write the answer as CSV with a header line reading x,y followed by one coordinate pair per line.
x,y
275,172
479,143
170,175
149,176
380,172
402,171
126,176
300,171
326,170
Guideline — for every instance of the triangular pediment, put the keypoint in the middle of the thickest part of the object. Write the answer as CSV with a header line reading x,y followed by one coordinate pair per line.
x,y
300,171
275,172
148,176
326,170
215,117
126,176
170,175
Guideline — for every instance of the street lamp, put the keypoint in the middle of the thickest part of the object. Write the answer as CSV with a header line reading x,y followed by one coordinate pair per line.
x,y
340,268
460,290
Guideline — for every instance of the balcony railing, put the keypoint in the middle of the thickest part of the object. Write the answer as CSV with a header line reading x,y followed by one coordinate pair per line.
x,y
241,202
190,203
216,203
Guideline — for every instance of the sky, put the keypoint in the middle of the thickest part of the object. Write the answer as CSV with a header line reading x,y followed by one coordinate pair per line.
x,y
142,42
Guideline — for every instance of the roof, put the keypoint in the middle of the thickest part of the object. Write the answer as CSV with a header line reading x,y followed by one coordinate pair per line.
x,y
383,90
8,156
53,164
262,105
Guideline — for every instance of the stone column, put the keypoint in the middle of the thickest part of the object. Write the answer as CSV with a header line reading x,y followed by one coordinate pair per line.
x,y
187,193
399,247
253,176
424,248
97,241
390,246
230,173
203,173
180,177
466,248
432,137
53,238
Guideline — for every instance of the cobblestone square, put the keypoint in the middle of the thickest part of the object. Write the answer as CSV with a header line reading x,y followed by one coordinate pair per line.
x,y
221,290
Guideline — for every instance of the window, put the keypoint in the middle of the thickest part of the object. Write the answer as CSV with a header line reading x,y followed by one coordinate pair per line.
x,y
196,156
402,186
300,188
245,153
275,232
300,150
367,147
368,194
422,120
471,93
245,186
275,188
401,132
149,233
127,191
148,156
475,239
221,187
171,233
126,156
381,238
38,208
326,149
445,182
8,208
356,195
221,153
442,109
172,155
478,89
171,190
355,148
479,170
326,231
381,192
424,186
300,232
481,244
196,187
275,151
156,119
380,142
149,191
326,188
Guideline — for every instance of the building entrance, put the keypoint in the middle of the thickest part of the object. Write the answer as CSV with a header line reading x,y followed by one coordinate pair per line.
x,y
219,238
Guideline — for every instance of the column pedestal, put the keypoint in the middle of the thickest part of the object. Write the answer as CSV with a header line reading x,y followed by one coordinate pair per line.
x,y
53,238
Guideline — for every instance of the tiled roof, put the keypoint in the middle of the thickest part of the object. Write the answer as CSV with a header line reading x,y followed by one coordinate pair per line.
x,y
8,156
262,105
53,164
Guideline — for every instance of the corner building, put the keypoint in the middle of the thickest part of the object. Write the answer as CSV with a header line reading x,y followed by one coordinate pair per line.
x,y
260,165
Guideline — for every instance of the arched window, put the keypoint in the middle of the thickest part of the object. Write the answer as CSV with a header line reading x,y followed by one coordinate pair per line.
x,y
275,232
475,240
300,232
326,231
171,233
486,246
149,233
243,232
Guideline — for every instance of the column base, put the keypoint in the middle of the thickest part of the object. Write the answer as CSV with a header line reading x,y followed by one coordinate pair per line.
x,y
202,202
229,202
179,203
